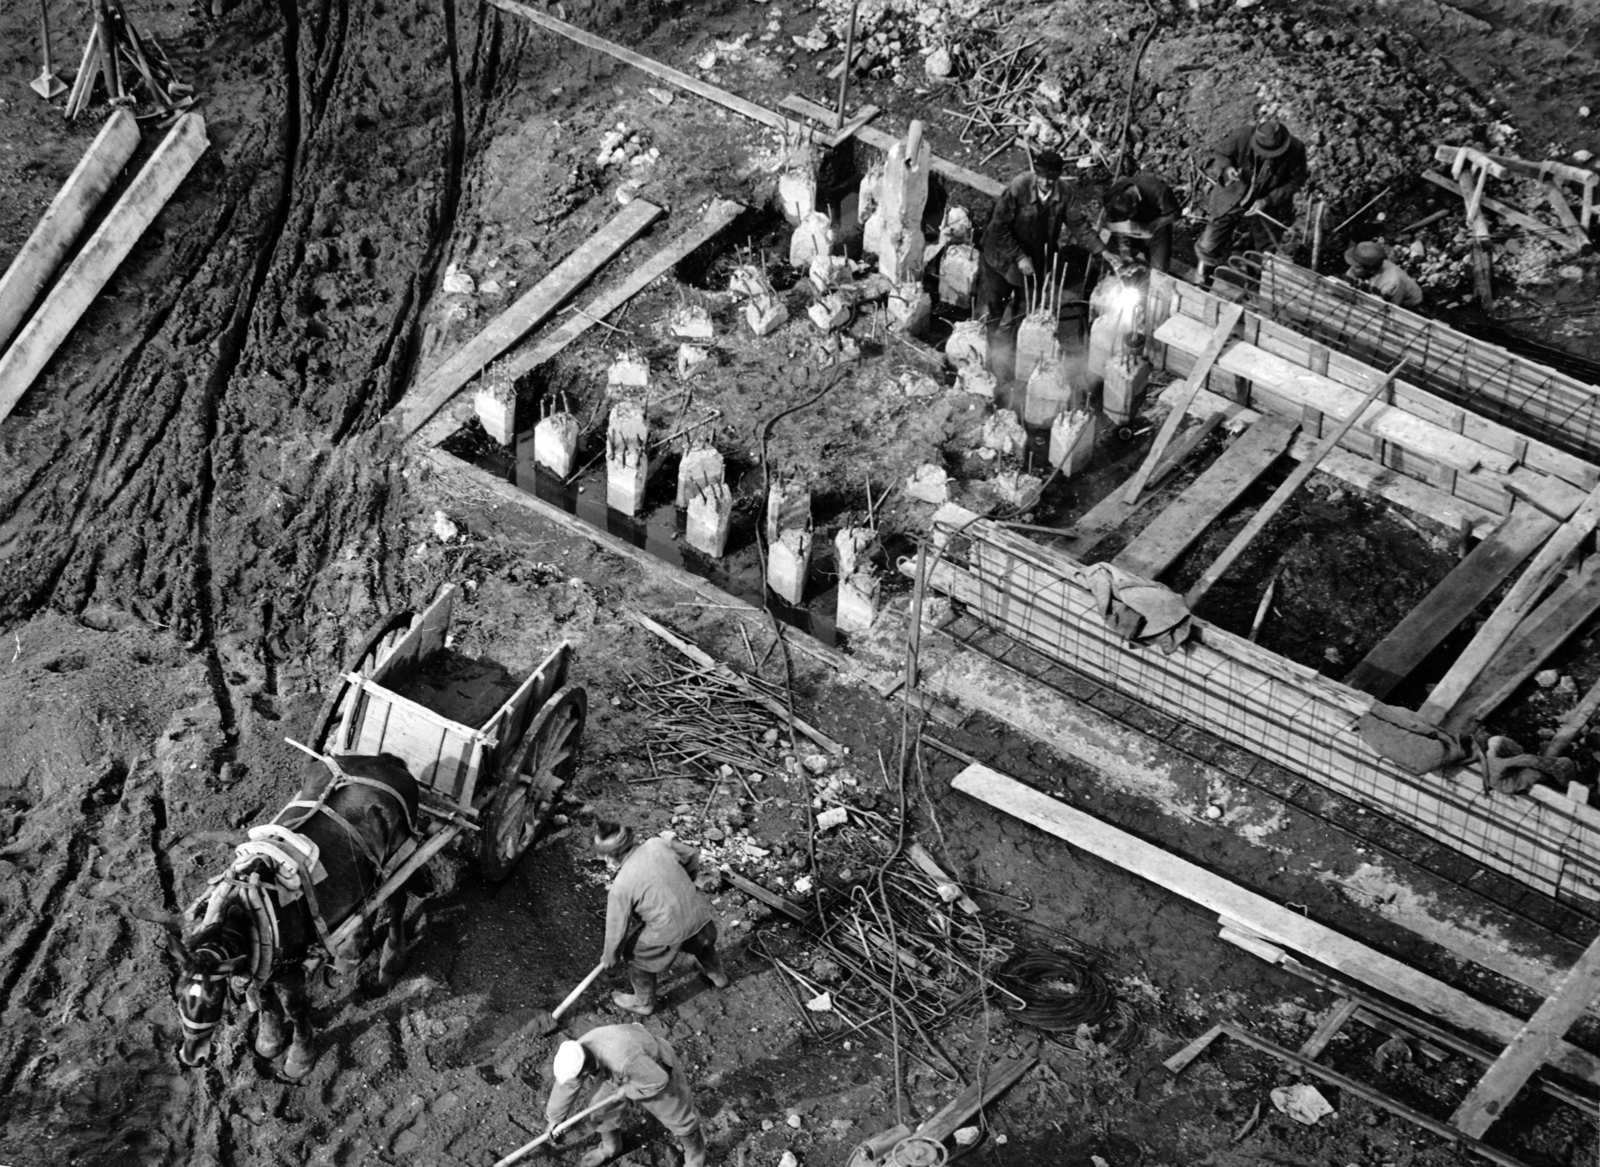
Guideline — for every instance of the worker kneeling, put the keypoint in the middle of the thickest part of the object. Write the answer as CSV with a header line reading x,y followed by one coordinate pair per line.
x,y
1373,271
654,881
628,1065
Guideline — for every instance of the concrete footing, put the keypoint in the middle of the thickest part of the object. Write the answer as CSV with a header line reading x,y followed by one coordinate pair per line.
x,y
1072,441
555,444
701,466
710,509
929,483
827,271
857,605
628,371
766,315
968,344
958,275
909,308
1126,379
812,238
1036,341
788,558
1003,433
978,381
830,312
692,322
495,403
627,458
1050,392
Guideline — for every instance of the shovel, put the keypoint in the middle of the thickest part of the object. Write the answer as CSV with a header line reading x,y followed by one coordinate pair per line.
x,y
540,1022
559,1127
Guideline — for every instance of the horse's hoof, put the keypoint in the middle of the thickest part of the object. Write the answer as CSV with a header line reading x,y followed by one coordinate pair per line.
x,y
298,1064
268,1049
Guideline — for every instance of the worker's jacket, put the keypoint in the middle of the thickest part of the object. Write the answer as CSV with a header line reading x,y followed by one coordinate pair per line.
x,y
1274,179
640,1067
1156,199
656,883
1392,283
1022,225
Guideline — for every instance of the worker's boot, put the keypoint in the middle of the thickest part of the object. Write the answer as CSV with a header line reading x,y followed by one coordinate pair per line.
x,y
694,1149
711,967
1202,273
643,998
610,1147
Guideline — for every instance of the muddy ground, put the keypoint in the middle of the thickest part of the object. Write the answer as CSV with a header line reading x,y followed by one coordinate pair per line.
x,y
199,512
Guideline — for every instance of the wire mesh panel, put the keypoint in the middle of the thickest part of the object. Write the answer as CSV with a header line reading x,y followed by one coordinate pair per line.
x,y
1276,709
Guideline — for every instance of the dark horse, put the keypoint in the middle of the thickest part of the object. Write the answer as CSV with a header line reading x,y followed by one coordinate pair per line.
x,y
358,823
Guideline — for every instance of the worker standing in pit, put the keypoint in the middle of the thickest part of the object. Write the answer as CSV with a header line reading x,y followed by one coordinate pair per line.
x,y
1024,235
654,881
1259,170
1139,211
1373,271
631,1065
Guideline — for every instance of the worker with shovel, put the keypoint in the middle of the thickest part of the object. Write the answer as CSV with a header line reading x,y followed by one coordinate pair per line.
x,y
1261,168
628,1065
655,881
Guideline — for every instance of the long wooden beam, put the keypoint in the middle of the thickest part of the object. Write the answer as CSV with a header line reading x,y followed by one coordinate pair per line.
x,y
532,309
1270,920
879,140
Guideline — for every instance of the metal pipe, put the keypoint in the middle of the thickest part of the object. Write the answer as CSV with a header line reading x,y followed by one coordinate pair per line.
x,y
849,55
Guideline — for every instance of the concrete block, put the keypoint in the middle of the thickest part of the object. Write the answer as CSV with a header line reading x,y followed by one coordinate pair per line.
x,y
827,271
956,226
788,507
851,547
929,484
958,275
918,384
710,508
1016,489
749,280
699,467
787,561
692,322
900,253
1003,433
1002,357
903,192
628,371
797,188
627,458
1127,377
1036,341
857,604
813,237
1050,392
978,381
909,308
968,344
830,312
765,316
495,402
1072,441
690,358
555,444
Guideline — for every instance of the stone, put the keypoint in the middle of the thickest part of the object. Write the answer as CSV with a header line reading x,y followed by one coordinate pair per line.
x,y
813,237
978,381
700,466
710,511
1072,441
929,484
1017,489
956,226
1546,678
628,371
765,315
857,604
692,322
938,65
826,271
910,308
830,313
968,344
457,282
958,275
627,458
555,444
690,358
788,558
443,529
495,403
1003,433
916,384
1570,272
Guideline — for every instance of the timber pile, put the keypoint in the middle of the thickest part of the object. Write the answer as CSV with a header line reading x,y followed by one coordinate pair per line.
x,y
1283,712
1559,410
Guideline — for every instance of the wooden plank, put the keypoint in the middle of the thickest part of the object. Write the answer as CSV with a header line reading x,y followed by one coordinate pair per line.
x,y
655,68
531,310
1179,1061
1391,423
1563,612
771,898
1283,494
879,140
99,258
926,863
1001,1076
1507,212
794,103
1207,356
1270,920
1531,1047
1524,594
1500,163
1175,529
1331,1024
1563,209
1455,597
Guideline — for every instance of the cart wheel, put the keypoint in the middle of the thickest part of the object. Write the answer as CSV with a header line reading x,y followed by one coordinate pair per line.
x,y
378,641
545,757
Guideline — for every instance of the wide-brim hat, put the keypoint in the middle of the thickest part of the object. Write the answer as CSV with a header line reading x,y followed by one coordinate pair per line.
x,y
1367,254
1271,138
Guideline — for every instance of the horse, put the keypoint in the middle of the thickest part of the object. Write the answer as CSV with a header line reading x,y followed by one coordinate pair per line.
x,y
358,812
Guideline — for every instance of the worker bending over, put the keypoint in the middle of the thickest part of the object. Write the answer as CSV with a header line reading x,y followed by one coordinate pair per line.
x,y
630,1065
1139,211
1024,235
1260,168
1373,271
654,881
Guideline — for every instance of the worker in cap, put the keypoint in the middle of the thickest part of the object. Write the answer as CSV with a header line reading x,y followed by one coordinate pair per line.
x,y
654,881
1139,212
1024,235
1373,271
631,1066
1258,171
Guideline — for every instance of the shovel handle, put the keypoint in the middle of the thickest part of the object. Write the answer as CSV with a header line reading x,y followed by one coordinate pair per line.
x,y
583,986
555,1130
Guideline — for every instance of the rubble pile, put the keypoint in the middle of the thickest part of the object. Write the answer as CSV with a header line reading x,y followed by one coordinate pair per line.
x,y
904,40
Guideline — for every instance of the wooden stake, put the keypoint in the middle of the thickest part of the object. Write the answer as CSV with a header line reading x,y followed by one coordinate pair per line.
x,y
1261,608
1285,492
844,74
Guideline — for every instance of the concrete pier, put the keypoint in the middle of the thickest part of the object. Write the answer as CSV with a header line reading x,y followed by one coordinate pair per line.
x,y
958,275
1036,342
1072,441
555,444
710,509
788,558
857,604
627,458
495,402
701,466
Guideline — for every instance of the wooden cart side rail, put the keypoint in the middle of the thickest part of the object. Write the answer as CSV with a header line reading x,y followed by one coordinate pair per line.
x,y
426,637
376,691
511,720
405,864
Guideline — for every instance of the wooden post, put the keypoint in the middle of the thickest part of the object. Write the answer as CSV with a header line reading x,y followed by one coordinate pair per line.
x,y
844,76
1285,492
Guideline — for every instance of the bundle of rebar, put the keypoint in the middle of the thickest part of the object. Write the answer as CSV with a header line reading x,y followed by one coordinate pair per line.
x,y
702,720
995,97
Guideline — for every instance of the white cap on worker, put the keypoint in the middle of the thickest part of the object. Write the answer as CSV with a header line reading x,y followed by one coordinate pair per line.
x,y
569,1061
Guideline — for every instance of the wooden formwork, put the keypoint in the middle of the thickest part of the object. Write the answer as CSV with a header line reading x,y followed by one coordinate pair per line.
x,y
1264,703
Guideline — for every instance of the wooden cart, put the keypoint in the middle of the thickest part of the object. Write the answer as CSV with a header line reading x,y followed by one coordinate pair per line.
x,y
406,693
